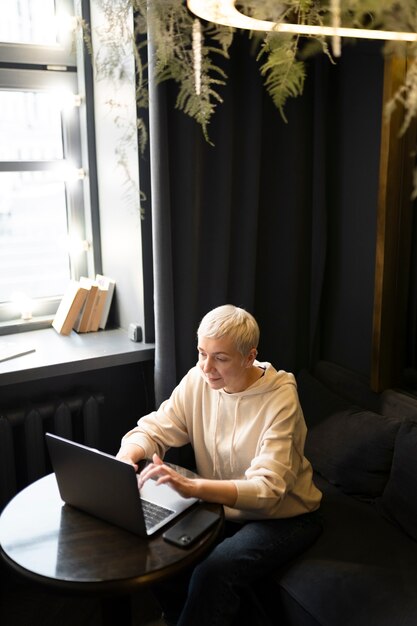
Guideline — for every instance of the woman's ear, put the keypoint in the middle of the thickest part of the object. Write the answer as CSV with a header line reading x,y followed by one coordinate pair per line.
x,y
251,357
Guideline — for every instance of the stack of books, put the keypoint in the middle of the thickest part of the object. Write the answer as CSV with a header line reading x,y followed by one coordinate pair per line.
x,y
85,305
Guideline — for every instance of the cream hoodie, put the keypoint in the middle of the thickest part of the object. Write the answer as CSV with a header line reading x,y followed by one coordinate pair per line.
x,y
254,437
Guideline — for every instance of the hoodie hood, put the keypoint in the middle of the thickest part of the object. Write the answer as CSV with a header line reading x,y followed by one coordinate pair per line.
x,y
234,403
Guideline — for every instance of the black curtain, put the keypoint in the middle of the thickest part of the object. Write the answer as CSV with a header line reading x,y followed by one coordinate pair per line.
x,y
243,221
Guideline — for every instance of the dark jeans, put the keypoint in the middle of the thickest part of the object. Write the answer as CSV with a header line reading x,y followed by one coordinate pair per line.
x,y
212,593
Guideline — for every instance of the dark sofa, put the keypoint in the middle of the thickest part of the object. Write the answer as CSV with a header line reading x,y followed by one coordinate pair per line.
x,y
362,571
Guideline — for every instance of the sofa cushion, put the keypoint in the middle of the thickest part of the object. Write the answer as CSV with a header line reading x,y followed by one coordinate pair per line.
x,y
350,385
354,388
361,571
352,448
399,501
317,400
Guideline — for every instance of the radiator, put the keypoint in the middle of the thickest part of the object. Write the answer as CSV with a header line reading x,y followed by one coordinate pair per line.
x,y
23,454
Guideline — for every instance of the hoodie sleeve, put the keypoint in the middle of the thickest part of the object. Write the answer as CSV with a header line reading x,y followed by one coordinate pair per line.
x,y
162,429
279,477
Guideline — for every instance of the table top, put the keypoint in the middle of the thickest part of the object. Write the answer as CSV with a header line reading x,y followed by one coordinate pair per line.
x,y
53,543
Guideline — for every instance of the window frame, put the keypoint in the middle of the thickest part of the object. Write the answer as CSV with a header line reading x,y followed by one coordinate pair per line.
x,y
32,67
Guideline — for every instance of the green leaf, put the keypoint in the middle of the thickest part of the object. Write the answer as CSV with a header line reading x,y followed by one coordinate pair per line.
x,y
284,75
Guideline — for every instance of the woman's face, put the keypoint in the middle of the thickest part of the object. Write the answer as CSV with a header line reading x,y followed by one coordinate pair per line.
x,y
223,365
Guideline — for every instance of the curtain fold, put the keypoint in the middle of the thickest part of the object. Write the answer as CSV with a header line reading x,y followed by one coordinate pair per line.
x,y
165,373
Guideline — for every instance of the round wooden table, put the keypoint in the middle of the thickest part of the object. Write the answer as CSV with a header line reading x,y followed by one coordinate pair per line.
x,y
56,545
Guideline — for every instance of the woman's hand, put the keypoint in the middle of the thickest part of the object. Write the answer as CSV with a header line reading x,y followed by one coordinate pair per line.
x,y
131,453
220,491
164,474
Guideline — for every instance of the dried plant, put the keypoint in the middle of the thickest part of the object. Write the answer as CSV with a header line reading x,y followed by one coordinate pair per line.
x,y
187,50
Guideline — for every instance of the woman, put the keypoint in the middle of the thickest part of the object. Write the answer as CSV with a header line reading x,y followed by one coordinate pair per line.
x,y
245,424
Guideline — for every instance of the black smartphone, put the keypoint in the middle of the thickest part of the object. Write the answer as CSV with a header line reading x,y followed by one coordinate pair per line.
x,y
189,528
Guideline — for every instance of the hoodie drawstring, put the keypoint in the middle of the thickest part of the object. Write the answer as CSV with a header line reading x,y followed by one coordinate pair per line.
x,y
232,443
215,437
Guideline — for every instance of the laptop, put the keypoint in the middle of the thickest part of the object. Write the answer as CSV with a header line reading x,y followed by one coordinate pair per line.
x,y
101,485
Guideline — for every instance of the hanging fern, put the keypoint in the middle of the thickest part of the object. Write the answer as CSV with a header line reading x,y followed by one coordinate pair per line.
x,y
169,25
195,67
284,75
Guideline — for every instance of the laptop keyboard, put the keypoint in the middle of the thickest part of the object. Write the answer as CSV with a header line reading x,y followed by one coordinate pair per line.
x,y
154,513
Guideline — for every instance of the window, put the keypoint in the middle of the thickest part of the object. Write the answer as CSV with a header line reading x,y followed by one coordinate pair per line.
x,y
45,220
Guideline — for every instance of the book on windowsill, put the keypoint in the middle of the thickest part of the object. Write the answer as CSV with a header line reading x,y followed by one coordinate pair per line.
x,y
105,282
69,308
82,321
98,306
11,350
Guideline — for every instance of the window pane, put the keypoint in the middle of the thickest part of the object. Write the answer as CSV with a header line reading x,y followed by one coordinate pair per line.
x,y
28,22
33,235
30,126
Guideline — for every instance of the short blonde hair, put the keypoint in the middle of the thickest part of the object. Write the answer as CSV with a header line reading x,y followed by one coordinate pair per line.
x,y
234,322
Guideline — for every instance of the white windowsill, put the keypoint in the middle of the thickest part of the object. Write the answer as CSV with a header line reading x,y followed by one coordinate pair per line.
x,y
57,355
